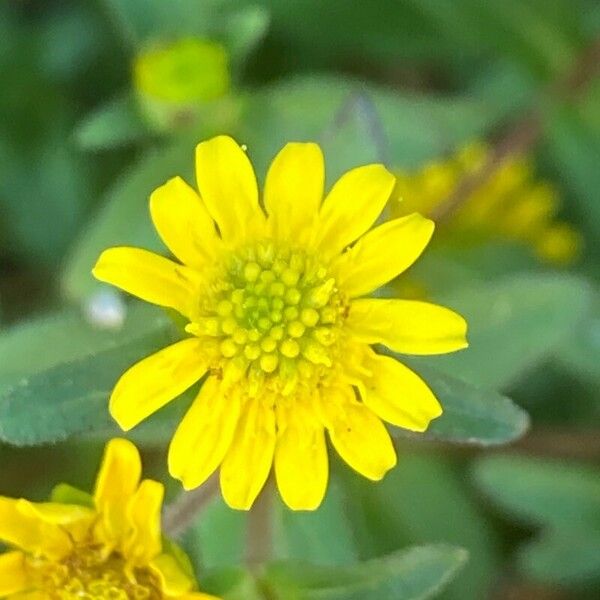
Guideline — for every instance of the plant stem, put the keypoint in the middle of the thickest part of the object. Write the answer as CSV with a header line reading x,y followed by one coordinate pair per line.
x,y
181,513
259,533
523,135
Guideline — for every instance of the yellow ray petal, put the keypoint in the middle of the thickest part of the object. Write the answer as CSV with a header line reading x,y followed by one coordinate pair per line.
x,y
301,462
184,224
13,576
58,514
407,326
352,206
248,461
73,519
382,254
204,435
155,381
173,581
143,512
150,277
116,484
397,395
294,190
358,435
228,187
22,528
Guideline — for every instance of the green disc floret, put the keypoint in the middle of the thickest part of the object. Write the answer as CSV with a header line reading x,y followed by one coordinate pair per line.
x,y
276,308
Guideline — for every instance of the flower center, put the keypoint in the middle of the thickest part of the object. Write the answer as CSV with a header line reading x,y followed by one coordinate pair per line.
x,y
276,311
88,574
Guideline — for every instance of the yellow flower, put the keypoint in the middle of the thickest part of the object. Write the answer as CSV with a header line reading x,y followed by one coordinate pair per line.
x,y
280,327
103,547
509,205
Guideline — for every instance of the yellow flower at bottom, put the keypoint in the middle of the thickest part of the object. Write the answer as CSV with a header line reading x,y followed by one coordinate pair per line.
x,y
280,327
103,547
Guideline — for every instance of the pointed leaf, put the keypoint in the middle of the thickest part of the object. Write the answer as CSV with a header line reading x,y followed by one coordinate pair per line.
x,y
413,574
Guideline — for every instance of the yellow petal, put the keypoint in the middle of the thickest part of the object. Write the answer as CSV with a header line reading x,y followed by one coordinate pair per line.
x,y
228,187
248,461
204,435
22,528
144,542
358,435
13,576
155,381
382,254
150,277
294,190
407,326
59,514
301,462
352,206
173,581
116,484
184,224
397,395
73,519
198,596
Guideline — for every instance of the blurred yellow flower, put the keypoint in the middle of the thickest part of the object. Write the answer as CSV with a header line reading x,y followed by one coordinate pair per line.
x,y
103,547
279,325
510,205
173,80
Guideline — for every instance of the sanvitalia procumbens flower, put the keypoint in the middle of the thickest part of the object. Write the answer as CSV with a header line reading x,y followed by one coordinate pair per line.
x,y
279,322
102,547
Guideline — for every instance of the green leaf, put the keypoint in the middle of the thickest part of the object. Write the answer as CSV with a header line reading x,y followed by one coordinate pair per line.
x,y
356,136
24,347
472,415
424,499
142,20
216,540
285,111
323,536
61,399
232,584
112,125
509,27
564,496
573,146
514,324
58,188
243,30
562,559
413,574
580,351
446,268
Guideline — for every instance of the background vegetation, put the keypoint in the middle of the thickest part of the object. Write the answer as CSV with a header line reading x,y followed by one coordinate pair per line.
x,y
501,496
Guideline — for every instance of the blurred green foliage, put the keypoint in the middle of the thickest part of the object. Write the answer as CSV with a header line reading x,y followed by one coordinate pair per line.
x,y
402,82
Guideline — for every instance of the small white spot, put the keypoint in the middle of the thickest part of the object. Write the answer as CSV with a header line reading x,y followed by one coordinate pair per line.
x,y
244,147
105,310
